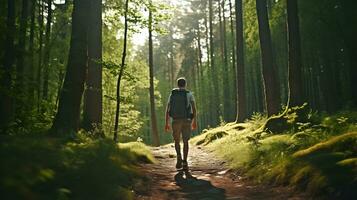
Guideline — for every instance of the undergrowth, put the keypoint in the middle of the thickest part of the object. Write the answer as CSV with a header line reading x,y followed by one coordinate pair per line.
x,y
317,155
42,167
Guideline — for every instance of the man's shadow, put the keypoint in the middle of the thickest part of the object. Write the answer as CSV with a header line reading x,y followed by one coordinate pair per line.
x,y
194,188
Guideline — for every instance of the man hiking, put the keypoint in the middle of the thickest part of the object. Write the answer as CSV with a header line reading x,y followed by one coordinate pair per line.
x,y
182,109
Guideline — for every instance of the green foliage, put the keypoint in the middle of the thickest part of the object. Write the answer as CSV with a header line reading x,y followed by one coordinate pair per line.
x,y
40,167
319,157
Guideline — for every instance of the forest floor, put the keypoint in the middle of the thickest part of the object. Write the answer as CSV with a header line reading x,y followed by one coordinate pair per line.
x,y
208,178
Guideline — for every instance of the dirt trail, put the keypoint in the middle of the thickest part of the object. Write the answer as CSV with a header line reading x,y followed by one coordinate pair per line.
x,y
208,178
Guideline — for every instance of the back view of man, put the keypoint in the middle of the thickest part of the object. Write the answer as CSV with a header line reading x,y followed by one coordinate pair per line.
x,y
182,109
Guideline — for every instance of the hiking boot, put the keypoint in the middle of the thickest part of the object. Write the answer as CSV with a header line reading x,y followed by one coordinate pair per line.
x,y
178,164
184,165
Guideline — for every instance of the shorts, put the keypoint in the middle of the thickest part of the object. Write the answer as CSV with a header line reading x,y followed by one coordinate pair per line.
x,y
181,126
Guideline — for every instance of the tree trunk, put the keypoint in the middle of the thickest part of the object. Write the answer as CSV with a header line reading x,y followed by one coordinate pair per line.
x,y
233,57
46,59
92,109
349,34
122,66
7,66
40,52
296,97
67,118
31,73
241,94
226,79
214,84
271,87
155,133
210,108
21,54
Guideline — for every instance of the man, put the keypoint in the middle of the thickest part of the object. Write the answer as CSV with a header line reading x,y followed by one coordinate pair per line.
x,y
182,109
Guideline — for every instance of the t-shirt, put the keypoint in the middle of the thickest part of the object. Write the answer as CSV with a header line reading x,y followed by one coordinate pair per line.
x,y
190,100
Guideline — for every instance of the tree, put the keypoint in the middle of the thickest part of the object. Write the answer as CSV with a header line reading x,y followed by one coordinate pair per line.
x,y
46,58
154,129
233,54
271,87
7,66
40,52
295,85
226,78
122,66
21,50
214,81
241,98
92,109
66,120
31,50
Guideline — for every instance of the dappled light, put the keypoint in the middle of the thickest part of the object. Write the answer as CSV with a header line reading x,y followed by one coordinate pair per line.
x,y
178,99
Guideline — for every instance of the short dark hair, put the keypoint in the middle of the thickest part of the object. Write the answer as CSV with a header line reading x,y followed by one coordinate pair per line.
x,y
181,82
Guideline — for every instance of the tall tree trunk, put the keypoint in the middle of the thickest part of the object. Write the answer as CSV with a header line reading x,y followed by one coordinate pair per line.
x,y
233,57
271,87
155,133
46,59
295,84
67,118
7,67
122,66
92,109
226,79
241,94
21,53
214,84
40,53
209,104
349,34
31,70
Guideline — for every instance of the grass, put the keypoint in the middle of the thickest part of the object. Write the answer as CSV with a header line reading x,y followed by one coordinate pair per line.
x,y
40,167
318,156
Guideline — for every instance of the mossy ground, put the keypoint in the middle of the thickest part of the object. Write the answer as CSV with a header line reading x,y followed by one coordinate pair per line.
x,y
42,167
318,156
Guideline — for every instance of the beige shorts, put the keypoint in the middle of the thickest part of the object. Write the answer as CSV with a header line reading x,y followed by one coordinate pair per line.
x,y
181,126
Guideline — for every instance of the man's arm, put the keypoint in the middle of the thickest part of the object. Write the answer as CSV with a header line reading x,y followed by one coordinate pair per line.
x,y
167,118
194,119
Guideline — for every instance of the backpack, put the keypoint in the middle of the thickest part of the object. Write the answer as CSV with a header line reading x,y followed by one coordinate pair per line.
x,y
179,106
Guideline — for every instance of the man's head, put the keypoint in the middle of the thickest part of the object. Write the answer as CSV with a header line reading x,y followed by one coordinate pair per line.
x,y
181,82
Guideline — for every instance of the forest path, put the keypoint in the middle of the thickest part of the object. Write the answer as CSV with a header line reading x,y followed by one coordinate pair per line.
x,y
208,178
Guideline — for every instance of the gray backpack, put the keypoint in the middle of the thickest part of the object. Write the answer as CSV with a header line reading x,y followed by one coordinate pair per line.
x,y
179,106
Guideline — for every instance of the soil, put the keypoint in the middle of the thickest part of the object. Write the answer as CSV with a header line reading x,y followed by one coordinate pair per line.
x,y
208,178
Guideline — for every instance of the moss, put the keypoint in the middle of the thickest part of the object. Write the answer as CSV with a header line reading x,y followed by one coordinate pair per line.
x,y
54,168
344,141
352,162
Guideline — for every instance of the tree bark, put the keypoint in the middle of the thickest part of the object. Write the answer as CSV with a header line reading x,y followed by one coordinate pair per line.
x,y
296,97
7,67
214,84
92,109
122,66
233,57
271,87
67,118
155,133
226,79
21,53
240,71
40,53
31,70
46,59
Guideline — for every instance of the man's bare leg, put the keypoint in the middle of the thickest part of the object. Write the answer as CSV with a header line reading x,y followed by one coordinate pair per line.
x,y
178,153
185,150
185,153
